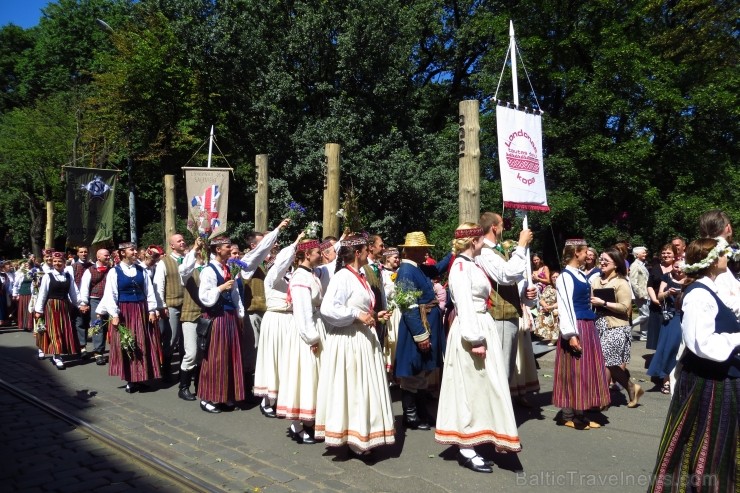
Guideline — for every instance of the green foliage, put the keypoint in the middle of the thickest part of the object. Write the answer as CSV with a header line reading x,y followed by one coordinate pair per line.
x,y
640,100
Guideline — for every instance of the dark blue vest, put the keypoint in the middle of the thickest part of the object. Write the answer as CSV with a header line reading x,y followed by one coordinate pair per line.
x,y
131,289
724,323
224,302
58,290
581,298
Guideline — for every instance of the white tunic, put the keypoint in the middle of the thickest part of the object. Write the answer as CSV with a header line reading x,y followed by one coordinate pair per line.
x,y
44,290
698,328
109,302
208,290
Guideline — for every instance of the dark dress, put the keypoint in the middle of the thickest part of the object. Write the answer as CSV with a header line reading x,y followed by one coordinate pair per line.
x,y
655,319
664,359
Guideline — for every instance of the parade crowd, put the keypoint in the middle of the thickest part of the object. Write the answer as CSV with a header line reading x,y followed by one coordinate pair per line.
x,y
321,329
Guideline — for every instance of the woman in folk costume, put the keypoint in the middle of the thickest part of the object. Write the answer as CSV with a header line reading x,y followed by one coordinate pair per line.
x,y
129,300
354,405
57,295
277,324
474,402
299,367
580,381
221,379
699,447
22,293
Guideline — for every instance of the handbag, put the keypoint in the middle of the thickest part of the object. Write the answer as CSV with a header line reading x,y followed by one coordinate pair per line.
x,y
203,330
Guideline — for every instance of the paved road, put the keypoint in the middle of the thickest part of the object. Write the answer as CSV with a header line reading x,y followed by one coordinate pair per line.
x,y
243,451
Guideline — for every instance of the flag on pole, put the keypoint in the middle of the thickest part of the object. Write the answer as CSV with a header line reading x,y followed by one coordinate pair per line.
x,y
90,205
520,159
208,200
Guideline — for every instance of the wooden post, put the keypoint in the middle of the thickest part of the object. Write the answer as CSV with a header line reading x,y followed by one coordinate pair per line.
x,y
260,198
169,210
469,160
49,243
331,190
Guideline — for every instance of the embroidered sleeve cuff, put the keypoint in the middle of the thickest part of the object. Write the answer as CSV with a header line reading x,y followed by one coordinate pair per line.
x,y
421,337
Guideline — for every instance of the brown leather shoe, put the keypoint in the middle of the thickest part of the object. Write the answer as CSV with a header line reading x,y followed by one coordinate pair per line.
x,y
575,424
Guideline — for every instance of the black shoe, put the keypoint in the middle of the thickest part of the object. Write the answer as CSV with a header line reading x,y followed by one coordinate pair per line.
x,y
305,436
84,355
465,462
411,417
131,388
209,407
186,395
366,456
268,412
100,360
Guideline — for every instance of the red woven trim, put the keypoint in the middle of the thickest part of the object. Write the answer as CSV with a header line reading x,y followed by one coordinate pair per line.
x,y
526,207
308,245
468,233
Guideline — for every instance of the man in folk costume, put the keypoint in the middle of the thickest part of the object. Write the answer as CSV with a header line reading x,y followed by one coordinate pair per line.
x,y
81,319
420,344
92,287
505,271
192,309
168,285
373,273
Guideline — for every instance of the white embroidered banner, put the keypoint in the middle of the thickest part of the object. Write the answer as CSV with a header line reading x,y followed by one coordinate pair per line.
x,y
208,200
520,159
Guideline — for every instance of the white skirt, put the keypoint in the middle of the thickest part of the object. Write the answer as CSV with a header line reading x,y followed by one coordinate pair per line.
x,y
275,328
299,375
354,405
474,402
524,378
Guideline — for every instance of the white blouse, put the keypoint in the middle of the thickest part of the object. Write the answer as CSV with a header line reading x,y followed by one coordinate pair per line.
x,y
564,288
208,290
345,298
306,295
253,258
277,278
728,290
698,328
502,271
470,289
185,269
44,290
109,301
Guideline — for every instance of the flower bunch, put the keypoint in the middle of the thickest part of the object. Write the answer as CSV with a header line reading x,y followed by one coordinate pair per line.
x,y
405,296
722,248
295,210
39,326
236,266
128,343
96,327
312,230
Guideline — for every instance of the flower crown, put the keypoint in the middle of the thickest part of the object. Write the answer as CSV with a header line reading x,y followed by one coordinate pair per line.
x,y
722,248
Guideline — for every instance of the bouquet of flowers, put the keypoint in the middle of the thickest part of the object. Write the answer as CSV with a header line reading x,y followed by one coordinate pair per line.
x,y
295,210
128,343
39,326
236,266
96,327
204,233
404,297
312,230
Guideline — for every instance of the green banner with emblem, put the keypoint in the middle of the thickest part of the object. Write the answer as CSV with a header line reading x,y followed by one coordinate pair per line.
x,y
89,205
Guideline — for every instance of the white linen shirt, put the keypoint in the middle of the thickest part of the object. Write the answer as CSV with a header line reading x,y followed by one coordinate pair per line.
x,y
109,302
208,290
698,328
44,290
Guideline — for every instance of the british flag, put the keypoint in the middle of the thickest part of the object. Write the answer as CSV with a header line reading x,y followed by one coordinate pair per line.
x,y
208,203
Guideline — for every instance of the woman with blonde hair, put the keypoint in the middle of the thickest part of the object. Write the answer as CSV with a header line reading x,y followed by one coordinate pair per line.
x,y
474,402
580,381
699,447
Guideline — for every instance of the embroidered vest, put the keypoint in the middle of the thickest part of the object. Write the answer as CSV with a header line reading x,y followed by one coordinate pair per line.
x,y
581,297
504,302
97,282
173,292
25,287
192,308
224,302
58,290
131,289
254,292
79,268
724,323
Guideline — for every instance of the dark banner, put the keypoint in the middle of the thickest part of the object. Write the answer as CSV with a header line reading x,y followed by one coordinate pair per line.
x,y
89,205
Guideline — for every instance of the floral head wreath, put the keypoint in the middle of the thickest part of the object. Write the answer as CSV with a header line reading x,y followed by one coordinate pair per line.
x,y
722,248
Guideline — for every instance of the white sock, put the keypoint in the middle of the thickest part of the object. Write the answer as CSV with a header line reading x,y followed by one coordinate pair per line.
x,y
468,453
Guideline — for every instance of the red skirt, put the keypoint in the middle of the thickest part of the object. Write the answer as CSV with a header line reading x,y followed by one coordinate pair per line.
x,y
59,336
144,363
221,373
25,318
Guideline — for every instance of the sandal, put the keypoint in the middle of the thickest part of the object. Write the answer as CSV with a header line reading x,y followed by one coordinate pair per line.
x,y
666,388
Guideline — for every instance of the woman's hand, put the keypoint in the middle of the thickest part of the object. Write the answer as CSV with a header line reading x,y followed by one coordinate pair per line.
x,y
36,315
315,348
115,321
367,319
480,351
384,315
575,344
597,302
226,286
152,317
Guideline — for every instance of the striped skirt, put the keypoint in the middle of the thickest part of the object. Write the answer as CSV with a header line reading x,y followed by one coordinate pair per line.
x,y
275,330
580,381
145,362
699,447
60,336
221,373
25,318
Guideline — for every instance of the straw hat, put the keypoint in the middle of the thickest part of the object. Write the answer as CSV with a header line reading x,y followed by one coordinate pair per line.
x,y
417,239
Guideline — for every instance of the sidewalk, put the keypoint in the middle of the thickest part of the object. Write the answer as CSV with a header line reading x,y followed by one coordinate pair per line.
x,y
243,451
